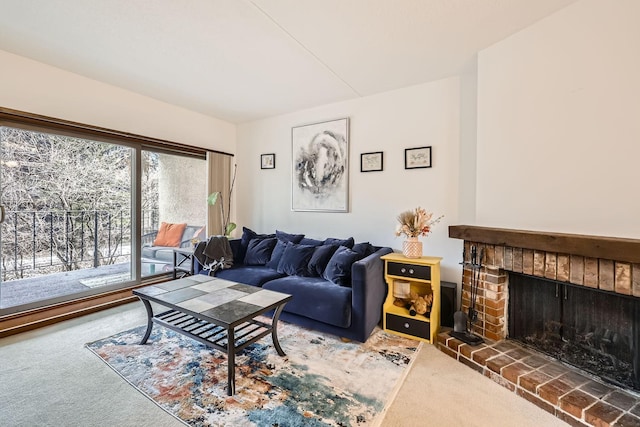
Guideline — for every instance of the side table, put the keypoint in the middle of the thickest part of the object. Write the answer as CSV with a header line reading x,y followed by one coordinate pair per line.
x,y
183,262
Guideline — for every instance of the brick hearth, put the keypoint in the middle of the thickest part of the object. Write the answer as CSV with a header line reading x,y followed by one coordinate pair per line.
x,y
568,393
608,264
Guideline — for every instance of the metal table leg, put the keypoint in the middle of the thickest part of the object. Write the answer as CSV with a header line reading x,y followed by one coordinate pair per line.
x,y
147,306
274,329
231,362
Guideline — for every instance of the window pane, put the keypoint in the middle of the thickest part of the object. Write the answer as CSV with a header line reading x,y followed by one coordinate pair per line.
x,y
67,231
173,192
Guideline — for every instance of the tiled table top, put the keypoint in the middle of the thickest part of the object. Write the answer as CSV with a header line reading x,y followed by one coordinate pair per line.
x,y
210,297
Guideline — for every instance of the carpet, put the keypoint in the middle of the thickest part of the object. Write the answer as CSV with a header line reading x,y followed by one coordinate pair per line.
x,y
322,381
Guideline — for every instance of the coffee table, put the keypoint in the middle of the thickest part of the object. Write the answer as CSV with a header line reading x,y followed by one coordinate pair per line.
x,y
216,312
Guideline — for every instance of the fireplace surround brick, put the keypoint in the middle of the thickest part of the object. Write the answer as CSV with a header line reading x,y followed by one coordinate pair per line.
x,y
608,264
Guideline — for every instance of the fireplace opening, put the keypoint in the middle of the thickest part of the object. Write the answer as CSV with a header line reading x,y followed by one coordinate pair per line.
x,y
594,330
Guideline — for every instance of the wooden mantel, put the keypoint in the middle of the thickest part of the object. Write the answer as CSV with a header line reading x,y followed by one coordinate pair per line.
x,y
612,248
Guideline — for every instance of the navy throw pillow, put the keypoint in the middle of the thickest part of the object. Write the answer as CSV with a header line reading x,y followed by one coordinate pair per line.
x,y
320,259
259,251
311,242
365,249
247,236
338,269
288,237
340,242
295,259
278,250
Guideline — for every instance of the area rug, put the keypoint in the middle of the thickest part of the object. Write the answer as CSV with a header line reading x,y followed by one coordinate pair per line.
x,y
322,381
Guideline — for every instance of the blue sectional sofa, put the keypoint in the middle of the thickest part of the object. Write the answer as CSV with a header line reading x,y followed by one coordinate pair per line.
x,y
337,285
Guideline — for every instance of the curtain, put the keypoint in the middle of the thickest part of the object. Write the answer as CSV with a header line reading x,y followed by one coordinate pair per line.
x,y
219,168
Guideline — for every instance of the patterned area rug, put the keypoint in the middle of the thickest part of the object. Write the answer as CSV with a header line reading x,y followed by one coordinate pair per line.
x,y
322,381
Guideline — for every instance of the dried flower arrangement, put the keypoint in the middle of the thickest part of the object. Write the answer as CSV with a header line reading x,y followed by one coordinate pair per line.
x,y
416,223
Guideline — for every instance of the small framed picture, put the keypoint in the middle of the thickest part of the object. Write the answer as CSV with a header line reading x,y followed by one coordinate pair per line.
x,y
268,161
419,157
371,162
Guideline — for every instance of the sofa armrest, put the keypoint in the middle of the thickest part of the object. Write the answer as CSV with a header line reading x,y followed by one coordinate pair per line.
x,y
369,289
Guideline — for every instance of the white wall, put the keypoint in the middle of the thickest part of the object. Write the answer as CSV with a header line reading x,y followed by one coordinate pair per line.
x,y
559,123
37,88
423,115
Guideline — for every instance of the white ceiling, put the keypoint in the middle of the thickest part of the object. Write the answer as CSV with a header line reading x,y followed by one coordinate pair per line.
x,y
240,60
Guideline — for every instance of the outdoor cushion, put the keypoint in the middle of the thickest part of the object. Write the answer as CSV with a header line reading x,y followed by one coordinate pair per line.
x,y
315,298
169,234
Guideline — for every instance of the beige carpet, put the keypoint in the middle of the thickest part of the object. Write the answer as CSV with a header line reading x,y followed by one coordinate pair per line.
x,y
47,378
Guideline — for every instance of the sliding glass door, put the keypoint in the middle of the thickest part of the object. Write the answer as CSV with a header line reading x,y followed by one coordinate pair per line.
x,y
173,193
68,227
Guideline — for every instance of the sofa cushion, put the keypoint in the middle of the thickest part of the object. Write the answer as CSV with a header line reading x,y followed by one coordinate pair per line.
x,y
248,235
311,242
278,250
338,269
255,275
295,259
315,298
259,251
320,259
288,237
364,249
169,234
340,242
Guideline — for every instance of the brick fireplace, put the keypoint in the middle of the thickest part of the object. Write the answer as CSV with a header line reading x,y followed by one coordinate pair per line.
x,y
594,262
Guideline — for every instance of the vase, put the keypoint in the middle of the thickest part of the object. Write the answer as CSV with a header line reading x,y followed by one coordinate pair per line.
x,y
412,247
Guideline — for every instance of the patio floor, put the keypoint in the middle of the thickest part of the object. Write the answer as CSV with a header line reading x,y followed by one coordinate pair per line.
x,y
24,291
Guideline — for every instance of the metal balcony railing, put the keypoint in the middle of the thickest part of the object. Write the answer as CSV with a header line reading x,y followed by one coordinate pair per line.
x,y
41,242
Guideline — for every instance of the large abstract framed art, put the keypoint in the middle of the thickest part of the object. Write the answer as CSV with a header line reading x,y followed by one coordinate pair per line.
x,y
321,166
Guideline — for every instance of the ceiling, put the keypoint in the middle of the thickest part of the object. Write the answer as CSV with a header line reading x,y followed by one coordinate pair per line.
x,y
241,60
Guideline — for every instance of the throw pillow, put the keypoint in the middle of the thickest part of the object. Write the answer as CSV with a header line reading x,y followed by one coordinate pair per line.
x,y
365,249
338,269
288,237
320,259
340,242
295,259
278,250
311,242
248,235
259,251
169,234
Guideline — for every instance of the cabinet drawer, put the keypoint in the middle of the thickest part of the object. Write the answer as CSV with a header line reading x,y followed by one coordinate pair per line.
x,y
409,270
408,326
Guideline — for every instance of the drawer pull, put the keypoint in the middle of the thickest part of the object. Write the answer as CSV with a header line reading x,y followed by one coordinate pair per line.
x,y
403,270
406,326
411,271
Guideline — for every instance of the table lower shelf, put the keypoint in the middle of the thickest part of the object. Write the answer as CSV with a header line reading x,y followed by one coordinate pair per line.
x,y
213,335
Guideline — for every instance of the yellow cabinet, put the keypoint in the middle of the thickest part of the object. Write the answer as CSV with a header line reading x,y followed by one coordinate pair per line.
x,y
422,276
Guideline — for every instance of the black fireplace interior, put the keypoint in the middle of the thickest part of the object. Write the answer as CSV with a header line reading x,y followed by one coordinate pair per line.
x,y
593,330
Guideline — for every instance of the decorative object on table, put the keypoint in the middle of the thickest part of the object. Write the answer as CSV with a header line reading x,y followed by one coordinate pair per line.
x,y
268,161
306,388
227,225
320,154
463,322
416,158
371,162
420,304
413,224
401,292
